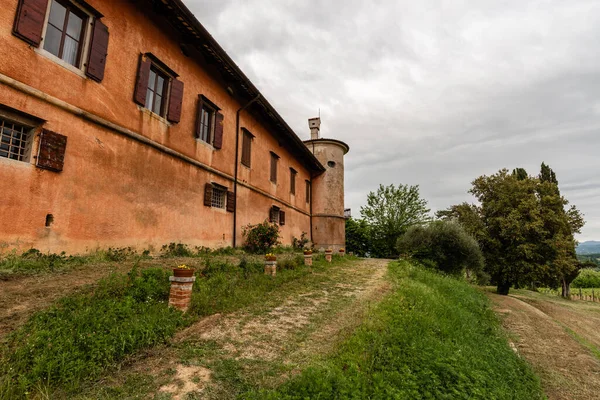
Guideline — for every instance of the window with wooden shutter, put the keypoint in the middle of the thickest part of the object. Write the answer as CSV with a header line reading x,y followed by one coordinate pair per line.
x,y
230,201
274,161
281,217
209,123
308,191
98,51
218,141
293,174
208,189
246,147
157,88
29,20
52,151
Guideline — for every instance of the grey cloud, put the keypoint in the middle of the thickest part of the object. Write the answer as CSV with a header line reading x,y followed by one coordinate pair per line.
x,y
434,92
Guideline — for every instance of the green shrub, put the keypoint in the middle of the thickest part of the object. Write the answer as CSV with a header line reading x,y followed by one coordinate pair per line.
x,y
176,250
434,337
444,245
300,243
80,336
587,278
260,238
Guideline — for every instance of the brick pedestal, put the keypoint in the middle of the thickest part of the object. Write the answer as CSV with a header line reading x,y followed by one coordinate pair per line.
x,y
180,295
270,268
328,255
308,259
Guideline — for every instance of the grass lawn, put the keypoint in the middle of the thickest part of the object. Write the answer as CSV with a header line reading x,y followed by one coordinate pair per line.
x,y
433,337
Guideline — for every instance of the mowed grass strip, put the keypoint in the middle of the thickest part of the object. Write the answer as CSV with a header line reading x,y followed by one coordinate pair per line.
x,y
434,337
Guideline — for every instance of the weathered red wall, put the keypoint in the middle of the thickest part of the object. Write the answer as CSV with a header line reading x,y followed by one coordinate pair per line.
x,y
115,191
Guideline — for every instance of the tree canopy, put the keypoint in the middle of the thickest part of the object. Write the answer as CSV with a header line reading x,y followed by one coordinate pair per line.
x,y
524,228
389,212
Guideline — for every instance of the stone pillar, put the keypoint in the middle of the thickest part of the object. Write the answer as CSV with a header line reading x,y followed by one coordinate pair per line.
x,y
180,295
270,267
308,259
328,254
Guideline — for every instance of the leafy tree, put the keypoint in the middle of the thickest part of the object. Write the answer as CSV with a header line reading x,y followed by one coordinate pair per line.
x,y
525,232
358,236
390,212
468,216
446,244
558,246
511,214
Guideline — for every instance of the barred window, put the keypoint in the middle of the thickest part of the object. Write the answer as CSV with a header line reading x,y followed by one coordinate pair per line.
x,y
218,196
274,215
14,141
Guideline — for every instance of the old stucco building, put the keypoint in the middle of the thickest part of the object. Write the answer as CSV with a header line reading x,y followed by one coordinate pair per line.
x,y
124,123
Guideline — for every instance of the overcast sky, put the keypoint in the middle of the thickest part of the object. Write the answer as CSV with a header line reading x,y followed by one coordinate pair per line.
x,y
431,93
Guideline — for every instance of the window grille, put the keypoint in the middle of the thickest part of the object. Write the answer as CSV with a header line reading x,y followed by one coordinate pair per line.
x,y
218,197
14,141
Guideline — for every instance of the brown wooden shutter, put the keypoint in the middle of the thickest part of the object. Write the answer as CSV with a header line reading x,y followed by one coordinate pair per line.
x,y
98,51
246,148
52,151
175,101
29,20
218,142
208,189
141,86
230,201
281,217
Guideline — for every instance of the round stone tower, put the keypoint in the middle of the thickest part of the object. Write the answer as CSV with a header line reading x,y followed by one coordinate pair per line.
x,y
328,222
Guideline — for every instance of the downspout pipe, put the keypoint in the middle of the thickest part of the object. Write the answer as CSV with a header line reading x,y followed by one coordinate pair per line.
x,y
236,165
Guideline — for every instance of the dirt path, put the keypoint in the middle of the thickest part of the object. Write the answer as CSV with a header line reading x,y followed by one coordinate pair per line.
x,y
559,339
220,355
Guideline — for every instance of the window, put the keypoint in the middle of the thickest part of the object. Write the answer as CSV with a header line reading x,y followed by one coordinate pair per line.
x,y
65,32
209,123
156,93
15,141
218,197
157,88
274,160
206,123
72,32
293,174
246,147
308,191
274,215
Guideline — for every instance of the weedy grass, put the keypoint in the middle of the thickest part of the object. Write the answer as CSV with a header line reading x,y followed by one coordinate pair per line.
x,y
78,338
434,337
75,341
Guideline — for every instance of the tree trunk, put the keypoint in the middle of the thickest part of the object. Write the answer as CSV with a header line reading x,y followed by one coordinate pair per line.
x,y
503,287
566,289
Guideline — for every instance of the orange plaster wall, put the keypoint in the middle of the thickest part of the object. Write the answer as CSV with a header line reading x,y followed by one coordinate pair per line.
x,y
115,191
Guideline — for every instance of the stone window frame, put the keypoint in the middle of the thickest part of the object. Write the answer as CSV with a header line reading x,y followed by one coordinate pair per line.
x,y
86,38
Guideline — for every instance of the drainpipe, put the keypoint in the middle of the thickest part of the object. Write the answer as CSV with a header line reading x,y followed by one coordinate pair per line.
x,y
311,214
237,151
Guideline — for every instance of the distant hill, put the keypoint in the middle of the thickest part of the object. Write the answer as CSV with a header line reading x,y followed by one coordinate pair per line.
x,y
589,247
